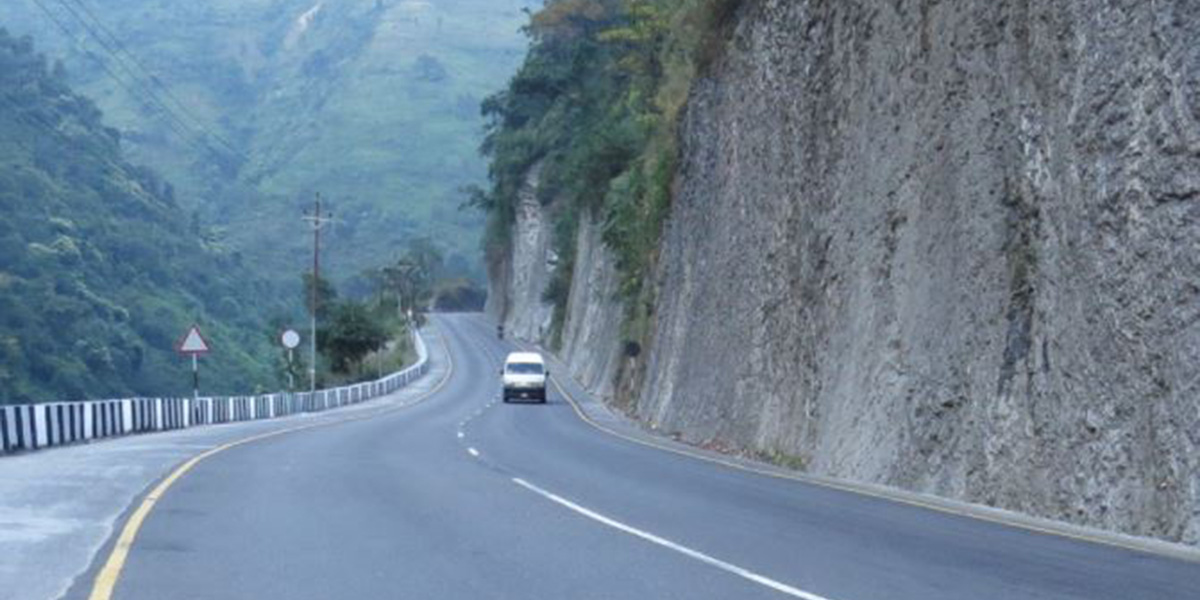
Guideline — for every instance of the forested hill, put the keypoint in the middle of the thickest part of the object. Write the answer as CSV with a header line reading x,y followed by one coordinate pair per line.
x,y
100,271
250,107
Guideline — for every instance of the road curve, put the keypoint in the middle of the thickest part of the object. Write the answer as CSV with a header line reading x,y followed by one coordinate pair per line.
x,y
461,496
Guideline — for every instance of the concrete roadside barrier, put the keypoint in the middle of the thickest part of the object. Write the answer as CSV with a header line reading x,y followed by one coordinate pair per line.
x,y
28,427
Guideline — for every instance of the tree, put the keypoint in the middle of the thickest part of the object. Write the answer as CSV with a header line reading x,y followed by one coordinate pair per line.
x,y
351,333
460,295
326,295
567,19
640,37
404,281
429,69
428,258
411,279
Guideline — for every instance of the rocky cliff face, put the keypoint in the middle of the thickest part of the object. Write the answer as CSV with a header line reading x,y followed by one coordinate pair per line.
x,y
591,336
950,247
591,340
517,282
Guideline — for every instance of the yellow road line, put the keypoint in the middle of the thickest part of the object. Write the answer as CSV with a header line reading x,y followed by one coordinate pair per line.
x,y
1182,554
106,579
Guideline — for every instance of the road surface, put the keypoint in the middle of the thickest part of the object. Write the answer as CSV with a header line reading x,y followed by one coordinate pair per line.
x,y
461,496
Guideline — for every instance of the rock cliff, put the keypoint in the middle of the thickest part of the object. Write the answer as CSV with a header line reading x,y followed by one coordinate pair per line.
x,y
516,282
950,247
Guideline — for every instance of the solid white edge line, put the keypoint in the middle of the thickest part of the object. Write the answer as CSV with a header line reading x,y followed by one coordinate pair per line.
x,y
473,452
684,550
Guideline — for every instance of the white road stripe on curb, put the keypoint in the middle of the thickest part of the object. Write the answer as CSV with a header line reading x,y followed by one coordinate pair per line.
x,y
473,452
684,550
460,435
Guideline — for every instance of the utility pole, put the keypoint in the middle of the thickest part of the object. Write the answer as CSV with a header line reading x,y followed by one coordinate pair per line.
x,y
406,269
317,221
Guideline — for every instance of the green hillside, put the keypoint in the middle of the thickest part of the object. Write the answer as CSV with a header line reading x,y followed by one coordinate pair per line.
x,y
100,269
374,103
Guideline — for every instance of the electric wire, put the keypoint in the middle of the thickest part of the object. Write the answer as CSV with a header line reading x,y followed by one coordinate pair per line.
x,y
146,97
185,135
154,80
145,93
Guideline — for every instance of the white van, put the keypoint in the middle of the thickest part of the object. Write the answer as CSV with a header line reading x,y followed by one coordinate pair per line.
x,y
524,376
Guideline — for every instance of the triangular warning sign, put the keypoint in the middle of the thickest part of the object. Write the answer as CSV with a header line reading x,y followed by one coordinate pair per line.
x,y
193,342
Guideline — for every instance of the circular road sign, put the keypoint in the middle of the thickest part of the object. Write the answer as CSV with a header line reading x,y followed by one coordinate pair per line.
x,y
290,339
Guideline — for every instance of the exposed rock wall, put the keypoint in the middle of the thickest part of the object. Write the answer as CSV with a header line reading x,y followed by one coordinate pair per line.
x,y
947,246
591,340
591,336
517,281
950,247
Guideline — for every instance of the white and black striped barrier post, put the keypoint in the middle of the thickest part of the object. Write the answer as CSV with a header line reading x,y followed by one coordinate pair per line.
x,y
30,427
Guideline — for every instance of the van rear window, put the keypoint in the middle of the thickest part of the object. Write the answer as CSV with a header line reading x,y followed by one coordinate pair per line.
x,y
524,368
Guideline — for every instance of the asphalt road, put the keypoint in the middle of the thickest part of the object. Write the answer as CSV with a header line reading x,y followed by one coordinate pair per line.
x,y
461,496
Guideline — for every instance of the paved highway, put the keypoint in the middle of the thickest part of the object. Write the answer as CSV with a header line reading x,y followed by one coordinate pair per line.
x,y
461,496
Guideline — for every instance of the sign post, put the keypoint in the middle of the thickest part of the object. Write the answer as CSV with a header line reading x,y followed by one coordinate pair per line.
x,y
193,343
290,340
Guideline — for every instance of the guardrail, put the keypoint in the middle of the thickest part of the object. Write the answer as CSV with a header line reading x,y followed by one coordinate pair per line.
x,y
25,427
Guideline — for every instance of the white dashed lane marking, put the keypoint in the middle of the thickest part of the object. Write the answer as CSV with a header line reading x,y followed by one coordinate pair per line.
x,y
684,550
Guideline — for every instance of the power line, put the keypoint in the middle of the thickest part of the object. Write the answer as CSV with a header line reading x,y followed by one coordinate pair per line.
x,y
152,78
183,133
146,92
146,96
318,221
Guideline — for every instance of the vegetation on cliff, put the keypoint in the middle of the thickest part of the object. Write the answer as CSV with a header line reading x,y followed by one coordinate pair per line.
x,y
596,103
